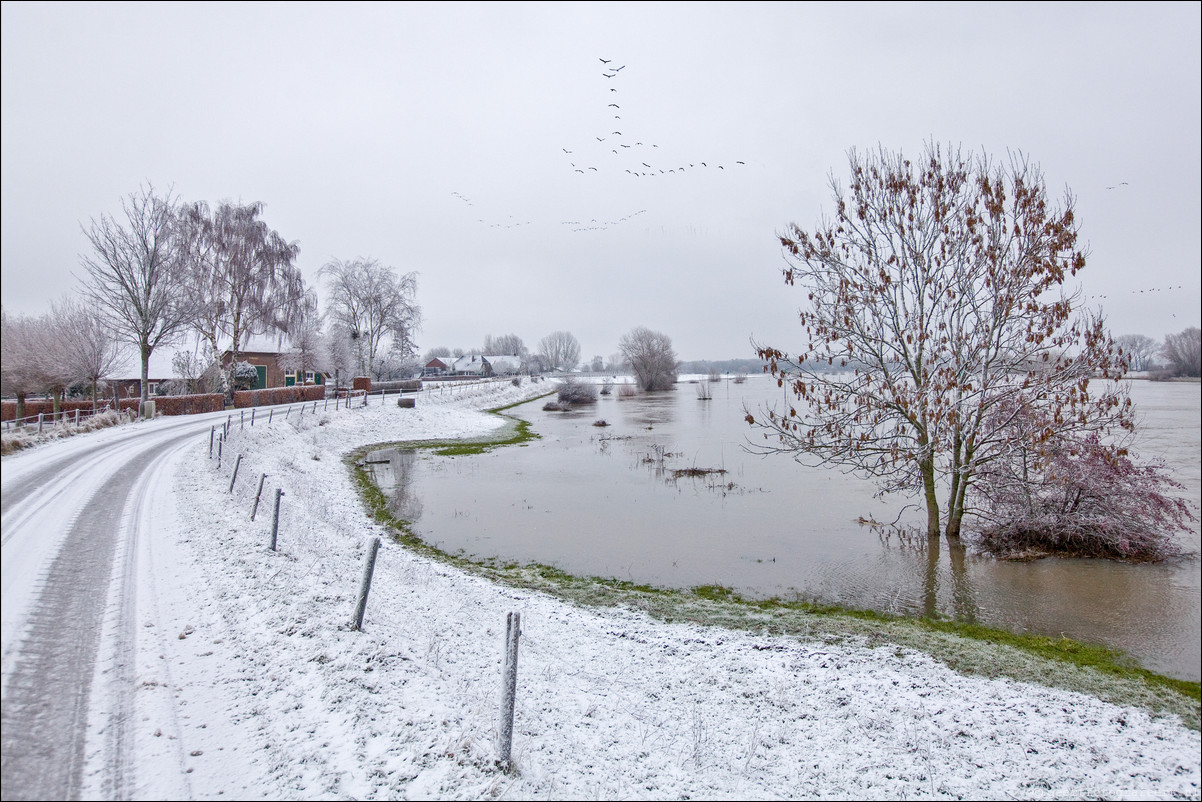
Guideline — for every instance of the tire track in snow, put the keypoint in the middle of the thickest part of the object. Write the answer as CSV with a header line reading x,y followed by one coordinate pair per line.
x,y
48,693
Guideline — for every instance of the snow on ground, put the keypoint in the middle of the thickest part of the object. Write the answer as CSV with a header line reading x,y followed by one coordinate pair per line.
x,y
251,683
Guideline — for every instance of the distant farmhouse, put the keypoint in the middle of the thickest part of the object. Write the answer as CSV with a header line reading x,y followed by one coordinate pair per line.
x,y
474,365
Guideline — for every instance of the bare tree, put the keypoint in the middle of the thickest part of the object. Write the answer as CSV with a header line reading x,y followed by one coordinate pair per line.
x,y
135,275
20,344
337,351
305,350
90,347
650,355
506,344
939,287
559,350
189,369
241,275
1184,351
375,305
1138,349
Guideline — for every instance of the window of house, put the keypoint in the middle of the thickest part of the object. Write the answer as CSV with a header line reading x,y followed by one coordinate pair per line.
x,y
308,377
152,388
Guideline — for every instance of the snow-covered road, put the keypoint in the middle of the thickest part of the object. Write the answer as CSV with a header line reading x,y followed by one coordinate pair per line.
x,y
73,516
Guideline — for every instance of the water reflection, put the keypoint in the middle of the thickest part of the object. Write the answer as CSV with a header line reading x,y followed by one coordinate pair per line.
x,y
393,469
640,499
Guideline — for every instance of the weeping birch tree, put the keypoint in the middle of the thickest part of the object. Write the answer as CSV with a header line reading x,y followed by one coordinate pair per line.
x,y
135,275
376,306
936,314
242,277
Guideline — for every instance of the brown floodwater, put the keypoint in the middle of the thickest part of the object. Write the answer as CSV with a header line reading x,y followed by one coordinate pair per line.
x,y
667,494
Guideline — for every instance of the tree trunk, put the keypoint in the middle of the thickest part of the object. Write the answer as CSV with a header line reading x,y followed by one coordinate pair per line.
x,y
927,468
145,396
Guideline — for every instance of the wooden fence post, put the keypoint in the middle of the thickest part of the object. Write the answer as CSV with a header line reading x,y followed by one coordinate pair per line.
x,y
369,566
509,681
212,433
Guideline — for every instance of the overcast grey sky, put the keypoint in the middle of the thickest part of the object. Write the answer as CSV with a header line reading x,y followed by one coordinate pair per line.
x,y
432,137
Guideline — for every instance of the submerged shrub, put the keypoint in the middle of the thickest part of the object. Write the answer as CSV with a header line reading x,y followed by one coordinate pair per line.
x,y
573,392
1083,499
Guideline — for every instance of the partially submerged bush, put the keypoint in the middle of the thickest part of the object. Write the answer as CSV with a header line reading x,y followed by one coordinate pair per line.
x,y
1084,499
573,392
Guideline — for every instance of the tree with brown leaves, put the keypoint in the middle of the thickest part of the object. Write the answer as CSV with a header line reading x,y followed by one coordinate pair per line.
x,y
936,304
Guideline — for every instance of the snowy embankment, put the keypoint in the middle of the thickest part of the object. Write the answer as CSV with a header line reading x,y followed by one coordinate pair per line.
x,y
251,683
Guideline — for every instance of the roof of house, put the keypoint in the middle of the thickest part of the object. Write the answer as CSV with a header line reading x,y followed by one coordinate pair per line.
x,y
505,363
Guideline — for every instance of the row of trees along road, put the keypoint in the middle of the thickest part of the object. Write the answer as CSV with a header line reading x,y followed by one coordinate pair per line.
x,y
943,354
168,269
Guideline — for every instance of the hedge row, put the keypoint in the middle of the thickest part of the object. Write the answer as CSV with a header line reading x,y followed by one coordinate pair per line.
x,y
279,395
405,385
188,404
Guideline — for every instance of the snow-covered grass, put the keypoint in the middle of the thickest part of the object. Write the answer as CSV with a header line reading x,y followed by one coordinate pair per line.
x,y
263,690
27,436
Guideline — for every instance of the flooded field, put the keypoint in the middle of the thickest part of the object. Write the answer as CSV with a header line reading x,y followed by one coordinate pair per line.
x,y
667,494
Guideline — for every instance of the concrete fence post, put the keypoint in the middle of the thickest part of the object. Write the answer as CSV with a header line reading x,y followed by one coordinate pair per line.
x,y
255,509
369,566
234,478
275,519
509,681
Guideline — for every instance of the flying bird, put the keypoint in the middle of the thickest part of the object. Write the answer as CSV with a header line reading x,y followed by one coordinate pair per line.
x,y
615,105
606,60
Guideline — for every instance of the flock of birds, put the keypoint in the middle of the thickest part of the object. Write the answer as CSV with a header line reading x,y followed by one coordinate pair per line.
x,y
614,149
637,159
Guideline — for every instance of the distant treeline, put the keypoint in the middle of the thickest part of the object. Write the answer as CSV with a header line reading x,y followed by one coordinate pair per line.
x,y
749,366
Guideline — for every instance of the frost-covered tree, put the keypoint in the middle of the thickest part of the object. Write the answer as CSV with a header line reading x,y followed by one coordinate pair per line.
x,y
241,275
1139,349
338,352
506,344
1183,352
305,351
649,354
559,350
135,275
89,345
940,287
20,346
190,369
376,306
